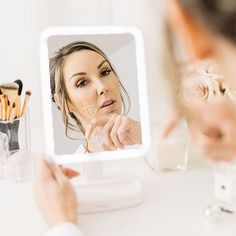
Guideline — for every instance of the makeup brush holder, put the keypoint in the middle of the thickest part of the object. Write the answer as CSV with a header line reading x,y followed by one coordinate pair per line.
x,y
16,159
4,152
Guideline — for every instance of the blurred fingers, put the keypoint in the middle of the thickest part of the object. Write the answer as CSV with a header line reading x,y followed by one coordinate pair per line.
x,y
123,130
56,170
170,125
113,135
43,170
101,121
107,130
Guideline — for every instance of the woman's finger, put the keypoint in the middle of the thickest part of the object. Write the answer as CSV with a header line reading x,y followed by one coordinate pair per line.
x,y
101,121
113,134
129,132
107,130
170,125
56,171
123,130
43,171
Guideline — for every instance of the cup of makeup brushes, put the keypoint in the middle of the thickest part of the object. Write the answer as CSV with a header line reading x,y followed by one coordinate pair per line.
x,y
15,127
4,152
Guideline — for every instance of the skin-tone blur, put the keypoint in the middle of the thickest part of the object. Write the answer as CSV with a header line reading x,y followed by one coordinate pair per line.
x,y
95,99
215,132
54,195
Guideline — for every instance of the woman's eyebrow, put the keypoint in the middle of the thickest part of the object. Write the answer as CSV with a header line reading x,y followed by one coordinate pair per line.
x,y
83,73
101,64
79,73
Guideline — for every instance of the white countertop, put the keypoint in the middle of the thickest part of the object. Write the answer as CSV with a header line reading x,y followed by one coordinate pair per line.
x,y
173,205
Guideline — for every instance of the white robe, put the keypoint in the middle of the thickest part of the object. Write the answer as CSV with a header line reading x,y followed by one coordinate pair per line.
x,y
65,229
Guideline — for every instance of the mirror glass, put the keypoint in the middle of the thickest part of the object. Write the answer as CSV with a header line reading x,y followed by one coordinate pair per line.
x,y
94,92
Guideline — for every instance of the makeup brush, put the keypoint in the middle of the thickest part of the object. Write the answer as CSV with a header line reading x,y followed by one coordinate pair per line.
x,y
14,144
18,101
27,97
3,126
8,109
1,108
13,112
4,106
11,90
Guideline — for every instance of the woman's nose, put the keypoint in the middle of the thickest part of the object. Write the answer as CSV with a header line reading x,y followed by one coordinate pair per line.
x,y
102,88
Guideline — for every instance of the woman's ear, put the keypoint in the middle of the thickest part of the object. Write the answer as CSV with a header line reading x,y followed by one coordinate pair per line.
x,y
56,99
198,40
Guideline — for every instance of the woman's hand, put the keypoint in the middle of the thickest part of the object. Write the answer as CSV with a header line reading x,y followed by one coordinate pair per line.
x,y
54,195
117,131
217,135
212,127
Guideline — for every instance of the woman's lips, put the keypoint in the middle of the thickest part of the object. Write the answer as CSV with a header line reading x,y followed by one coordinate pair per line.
x,y
107,105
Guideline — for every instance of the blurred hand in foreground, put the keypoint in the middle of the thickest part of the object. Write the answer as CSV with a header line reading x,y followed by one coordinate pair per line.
x,y
54,195
212,126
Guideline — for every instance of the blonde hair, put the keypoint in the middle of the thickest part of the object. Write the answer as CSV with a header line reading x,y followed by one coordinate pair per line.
x,y
58,86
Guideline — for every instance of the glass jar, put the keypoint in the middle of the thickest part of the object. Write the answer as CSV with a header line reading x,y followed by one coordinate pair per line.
x,y
170,153
17,160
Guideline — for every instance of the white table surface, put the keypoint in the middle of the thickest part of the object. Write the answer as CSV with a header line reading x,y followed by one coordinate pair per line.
x,y
173,205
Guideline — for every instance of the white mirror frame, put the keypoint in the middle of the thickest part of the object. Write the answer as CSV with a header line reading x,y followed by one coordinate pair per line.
x,y
46,94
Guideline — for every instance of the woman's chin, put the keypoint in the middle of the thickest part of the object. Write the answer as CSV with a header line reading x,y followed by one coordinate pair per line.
x,y
111,112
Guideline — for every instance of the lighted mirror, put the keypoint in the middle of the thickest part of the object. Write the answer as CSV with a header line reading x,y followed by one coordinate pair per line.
x,y
94,93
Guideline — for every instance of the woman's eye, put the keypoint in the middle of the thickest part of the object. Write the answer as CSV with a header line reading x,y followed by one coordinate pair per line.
x,y
81,83
105,72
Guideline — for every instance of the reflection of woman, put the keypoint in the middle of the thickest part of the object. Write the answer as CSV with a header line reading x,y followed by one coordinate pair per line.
x,y
86,87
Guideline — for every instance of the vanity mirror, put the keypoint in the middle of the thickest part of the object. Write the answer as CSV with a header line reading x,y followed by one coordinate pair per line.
x,y
94,93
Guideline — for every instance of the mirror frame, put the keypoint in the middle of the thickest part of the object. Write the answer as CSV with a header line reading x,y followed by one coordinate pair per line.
x,y
46,94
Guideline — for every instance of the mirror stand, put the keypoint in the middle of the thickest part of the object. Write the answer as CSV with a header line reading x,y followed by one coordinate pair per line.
x,y
99,193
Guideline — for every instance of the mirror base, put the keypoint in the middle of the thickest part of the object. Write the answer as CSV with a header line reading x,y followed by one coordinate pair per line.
x,y
108,194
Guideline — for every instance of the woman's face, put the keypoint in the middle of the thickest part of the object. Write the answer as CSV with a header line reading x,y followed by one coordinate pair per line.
x,y
92,86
